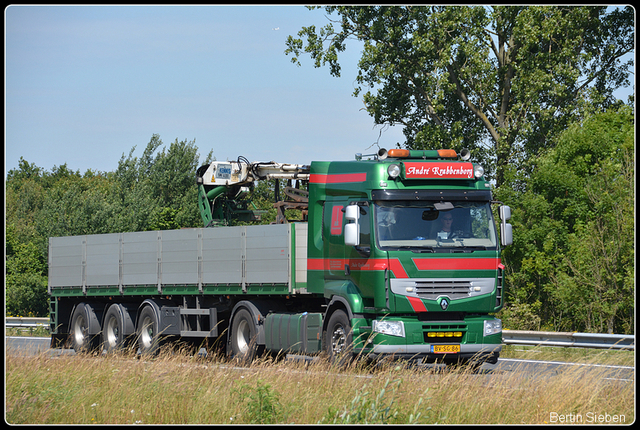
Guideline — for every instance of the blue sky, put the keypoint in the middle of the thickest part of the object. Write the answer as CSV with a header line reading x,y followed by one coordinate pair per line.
x,y
86,84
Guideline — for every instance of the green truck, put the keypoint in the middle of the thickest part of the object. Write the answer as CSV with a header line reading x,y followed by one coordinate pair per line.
x,y
396,255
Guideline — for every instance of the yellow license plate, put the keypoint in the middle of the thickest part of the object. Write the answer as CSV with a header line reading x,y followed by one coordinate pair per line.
x,y
445,349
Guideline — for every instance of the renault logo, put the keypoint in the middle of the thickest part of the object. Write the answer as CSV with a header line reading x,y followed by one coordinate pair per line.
x,y
444,303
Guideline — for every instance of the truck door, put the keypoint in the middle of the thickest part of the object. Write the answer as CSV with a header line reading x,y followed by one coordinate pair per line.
x,y
333,252
359,267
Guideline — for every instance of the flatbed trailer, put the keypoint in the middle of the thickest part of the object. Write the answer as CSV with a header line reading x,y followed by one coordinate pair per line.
x,y
197,270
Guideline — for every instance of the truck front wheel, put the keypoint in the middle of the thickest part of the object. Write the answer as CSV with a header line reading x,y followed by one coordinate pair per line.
x,y
243,336
339,339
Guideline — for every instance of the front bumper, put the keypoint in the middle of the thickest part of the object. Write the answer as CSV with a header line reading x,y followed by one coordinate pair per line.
x,y
479,352
416,344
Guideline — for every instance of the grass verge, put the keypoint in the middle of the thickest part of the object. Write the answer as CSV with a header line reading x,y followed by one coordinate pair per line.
x,y
27,332
175,388
611,357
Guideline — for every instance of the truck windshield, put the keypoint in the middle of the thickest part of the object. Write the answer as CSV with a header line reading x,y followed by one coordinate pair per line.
x,y
434,226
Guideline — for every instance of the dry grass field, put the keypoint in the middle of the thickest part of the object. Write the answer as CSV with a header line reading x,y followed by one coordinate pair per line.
x,y
175,388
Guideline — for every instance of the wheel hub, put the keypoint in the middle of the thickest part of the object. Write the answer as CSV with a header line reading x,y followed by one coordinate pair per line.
x,y
243,336
113,332
80,330
146,334
338,340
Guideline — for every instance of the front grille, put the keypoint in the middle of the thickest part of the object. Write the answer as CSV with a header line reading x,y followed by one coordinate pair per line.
x,y
444,326
452,289
444,332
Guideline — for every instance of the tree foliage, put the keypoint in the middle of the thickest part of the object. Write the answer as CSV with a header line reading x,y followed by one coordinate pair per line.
x,y
461,76
152,192
26,276
572,261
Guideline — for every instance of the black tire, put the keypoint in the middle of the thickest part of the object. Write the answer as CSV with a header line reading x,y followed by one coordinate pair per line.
x,y
113,330
339,338
147,331
243,337
82,341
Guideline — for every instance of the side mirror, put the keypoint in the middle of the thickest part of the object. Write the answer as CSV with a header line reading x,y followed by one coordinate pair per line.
x,y
506,233
352,213
352,234
505,213
352,229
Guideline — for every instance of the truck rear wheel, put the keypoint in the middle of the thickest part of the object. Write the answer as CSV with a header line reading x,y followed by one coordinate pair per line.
x,y
113,333
81,339
243,336
339,339
147,331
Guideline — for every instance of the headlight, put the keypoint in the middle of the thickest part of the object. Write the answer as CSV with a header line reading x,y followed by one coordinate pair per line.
x,y
478,171
492,327
392,328
393,170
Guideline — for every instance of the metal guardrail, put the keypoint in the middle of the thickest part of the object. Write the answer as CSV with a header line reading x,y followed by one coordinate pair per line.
x,y
509,337
569,339
26,322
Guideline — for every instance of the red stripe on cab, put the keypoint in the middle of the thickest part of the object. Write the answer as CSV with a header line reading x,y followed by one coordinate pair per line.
x,y
456,263
417,304
337,178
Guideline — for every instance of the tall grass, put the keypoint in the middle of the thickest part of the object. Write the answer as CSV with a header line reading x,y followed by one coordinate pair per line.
x,y
572,355
175,388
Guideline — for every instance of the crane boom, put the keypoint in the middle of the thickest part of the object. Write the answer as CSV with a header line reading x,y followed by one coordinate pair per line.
x,y
230,173
222,183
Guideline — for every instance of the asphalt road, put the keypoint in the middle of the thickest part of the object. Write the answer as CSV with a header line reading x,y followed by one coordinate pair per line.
x,y
35,345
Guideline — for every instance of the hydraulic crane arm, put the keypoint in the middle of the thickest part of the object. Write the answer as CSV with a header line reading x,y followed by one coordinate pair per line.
x,y
222,182
242,172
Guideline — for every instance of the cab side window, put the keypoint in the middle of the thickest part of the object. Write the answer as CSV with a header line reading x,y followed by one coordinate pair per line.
x,y
365,226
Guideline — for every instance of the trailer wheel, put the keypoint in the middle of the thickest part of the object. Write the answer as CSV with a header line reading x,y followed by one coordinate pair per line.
x,y
81,339
339,339
113,332
149,340
243,336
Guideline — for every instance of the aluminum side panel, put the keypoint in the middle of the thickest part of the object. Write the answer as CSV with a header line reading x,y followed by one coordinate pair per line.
x,y
140,256
246,255
179,256
267,254
222,255
65,261
103,259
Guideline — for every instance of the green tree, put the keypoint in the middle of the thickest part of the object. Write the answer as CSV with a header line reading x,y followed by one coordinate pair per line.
x,y
573,256
462,76
26,277
172,177
133,197
155,191
598,282
158,190
24,171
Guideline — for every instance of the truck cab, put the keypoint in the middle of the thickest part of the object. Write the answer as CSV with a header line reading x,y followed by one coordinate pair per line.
x,y
405,245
